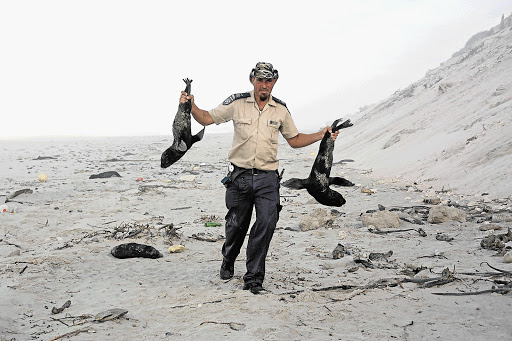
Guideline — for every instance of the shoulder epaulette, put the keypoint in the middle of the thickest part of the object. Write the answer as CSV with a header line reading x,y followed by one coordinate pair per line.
x,y
279,101
234,97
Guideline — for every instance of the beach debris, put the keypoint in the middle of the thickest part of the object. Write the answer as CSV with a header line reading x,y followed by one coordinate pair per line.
x,y
496,242
44,158
319,218
140,179
207,238
105,175
501,218
338,252
422,232
379,231
368,190
132,250
211,224
232,325
489,227
187,178
441,214
410,219
17,193
110,314
508,257
505,289
378,256
42,177
443,237
4,208
73,333
432,201
56,310
381,219
176,249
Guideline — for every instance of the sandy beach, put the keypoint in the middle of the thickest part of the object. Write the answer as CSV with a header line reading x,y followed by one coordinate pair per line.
x,y
56,241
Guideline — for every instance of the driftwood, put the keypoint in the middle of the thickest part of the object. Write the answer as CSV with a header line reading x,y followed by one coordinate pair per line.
x,y
502,271
232,325
73,333
19,192
503,290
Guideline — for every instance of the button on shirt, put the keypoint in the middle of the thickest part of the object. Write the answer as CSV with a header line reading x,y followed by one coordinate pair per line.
x,y
256,132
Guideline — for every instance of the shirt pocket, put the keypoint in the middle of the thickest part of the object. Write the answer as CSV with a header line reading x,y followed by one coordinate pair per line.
x,y
273,127
243,127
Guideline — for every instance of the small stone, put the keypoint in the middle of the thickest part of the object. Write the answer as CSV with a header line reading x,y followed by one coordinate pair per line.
x,y
42,178
319,218
188,178
432,201
441,214
508,257
338,252
176,249
14,253
381,219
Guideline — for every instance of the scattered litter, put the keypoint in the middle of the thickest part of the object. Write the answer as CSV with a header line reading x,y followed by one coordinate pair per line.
x,y
176,249
110,314
338,252
207,238
56,310
443,237
211,224
42,178
17,193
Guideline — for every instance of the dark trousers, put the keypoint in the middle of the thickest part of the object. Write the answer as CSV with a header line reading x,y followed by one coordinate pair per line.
x,y
246,191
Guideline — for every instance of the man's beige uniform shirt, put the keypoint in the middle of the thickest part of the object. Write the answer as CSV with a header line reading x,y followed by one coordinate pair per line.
x,y
256,132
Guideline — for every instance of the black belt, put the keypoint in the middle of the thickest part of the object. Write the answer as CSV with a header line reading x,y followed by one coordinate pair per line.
x,y
253,171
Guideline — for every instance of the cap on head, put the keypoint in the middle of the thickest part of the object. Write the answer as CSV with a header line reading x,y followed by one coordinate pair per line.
x,y
264,70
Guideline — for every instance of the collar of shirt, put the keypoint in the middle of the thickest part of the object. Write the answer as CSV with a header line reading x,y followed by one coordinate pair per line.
x,y
270,102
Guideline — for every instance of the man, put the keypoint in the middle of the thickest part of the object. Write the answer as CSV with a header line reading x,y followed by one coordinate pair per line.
x,y
253,181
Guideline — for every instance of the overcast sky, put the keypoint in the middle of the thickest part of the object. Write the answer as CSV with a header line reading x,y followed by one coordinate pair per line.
x,y
116,67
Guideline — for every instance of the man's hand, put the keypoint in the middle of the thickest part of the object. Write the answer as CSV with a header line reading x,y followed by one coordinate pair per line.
x,y
333,135
185,97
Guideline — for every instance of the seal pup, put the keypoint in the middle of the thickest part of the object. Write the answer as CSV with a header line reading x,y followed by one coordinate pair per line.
x,y
132,250
181,129
319,180
105,175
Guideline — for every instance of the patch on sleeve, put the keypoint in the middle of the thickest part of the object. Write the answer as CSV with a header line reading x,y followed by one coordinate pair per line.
x,y
234,97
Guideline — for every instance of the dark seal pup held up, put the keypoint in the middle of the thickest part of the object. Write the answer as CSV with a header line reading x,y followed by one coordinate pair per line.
x,y
181,129
132,250
319,180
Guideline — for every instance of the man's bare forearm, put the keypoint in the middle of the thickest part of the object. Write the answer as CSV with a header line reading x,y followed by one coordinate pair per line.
x,y
303,140
201,116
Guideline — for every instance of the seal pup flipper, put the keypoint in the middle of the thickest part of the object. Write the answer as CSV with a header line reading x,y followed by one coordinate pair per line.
x,y
340,181
170,156
198,137
294,183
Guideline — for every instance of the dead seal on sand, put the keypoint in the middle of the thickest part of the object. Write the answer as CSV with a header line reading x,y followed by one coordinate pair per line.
x,y
105,175
319,180
181,129
133,250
